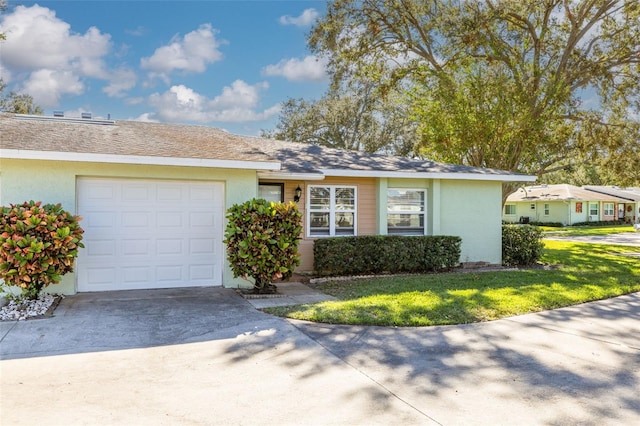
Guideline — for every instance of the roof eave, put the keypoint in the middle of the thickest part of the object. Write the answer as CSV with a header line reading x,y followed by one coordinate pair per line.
x,y
429,175
289,175
24,154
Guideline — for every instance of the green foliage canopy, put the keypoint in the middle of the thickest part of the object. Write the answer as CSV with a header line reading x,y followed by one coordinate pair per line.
x,y
497,83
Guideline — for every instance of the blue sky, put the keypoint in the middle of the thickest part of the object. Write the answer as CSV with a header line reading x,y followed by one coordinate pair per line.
x,y
226,64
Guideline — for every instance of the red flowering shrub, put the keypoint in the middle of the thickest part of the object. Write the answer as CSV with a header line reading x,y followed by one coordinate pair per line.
x,y
37,245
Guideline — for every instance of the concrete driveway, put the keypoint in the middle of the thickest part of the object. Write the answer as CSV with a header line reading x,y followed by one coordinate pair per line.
x,y
207,356
624,238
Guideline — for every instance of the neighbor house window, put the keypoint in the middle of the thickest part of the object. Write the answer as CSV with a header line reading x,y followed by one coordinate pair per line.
x,y
271,191
510,209
406,211
578,207
532,206
546,209
331,210
608,209
593,209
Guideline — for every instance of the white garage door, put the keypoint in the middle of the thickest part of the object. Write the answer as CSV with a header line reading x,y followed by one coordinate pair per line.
x,y
149,234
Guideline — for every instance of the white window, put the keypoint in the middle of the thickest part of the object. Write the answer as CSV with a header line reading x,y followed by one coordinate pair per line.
x,y
406,211
510,209
271,191
608,209
532,206
331,210
593,209
546,209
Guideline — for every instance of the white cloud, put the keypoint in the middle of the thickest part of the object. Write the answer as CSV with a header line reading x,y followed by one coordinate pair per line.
x,y
191,53
237,103
120,81
47,60
307,18
37,39
146,117
311,68
47,86
239,94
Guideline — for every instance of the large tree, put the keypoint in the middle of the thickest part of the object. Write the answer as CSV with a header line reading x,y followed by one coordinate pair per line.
x,y
354,118
3,7
18,103
495,83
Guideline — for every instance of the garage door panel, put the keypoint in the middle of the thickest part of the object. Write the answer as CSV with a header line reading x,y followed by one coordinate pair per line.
x,y
95,220
168,192
170,219
150,234
167,246
101,248
170,273
202,272
136,193
139,247
136,274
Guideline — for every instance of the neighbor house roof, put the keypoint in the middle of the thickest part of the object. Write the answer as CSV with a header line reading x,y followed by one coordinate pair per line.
x,y
134,142
559,192
631,194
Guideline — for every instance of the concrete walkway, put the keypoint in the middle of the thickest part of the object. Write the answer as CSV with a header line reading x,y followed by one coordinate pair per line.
x,y
207,356
625,238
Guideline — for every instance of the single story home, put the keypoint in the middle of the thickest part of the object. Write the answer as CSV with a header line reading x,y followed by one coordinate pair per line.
x,y
562,203
153,196
629,211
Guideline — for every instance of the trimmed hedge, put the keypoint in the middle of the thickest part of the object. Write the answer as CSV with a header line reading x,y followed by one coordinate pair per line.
x,y
376,254
521,245
601,223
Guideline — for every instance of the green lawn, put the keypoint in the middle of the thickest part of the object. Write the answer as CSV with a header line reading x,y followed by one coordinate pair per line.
x,y
581,273
572,231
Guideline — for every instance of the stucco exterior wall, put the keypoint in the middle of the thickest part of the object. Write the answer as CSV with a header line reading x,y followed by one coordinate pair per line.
x,y
471,210
366,221
55,182
564,212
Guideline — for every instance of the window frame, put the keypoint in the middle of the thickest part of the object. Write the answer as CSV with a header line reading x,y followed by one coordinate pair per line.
x,y
547,209
423,213
331,211
597,209
605,210
514,210
274,184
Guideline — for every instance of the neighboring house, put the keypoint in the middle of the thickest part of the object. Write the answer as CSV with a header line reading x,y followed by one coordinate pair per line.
x,y
563,203
153,196
629,211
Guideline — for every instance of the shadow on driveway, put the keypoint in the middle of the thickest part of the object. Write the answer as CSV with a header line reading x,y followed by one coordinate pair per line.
x,y
102,321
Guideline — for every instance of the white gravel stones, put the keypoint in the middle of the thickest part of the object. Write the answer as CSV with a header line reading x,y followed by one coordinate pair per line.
x,y
19,310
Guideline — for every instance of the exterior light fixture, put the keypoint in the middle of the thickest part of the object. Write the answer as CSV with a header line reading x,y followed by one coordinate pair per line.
x,y
296,197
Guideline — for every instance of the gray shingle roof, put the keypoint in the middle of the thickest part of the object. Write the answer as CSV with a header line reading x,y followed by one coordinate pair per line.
x,y
132,138
124,138
559,192
632,194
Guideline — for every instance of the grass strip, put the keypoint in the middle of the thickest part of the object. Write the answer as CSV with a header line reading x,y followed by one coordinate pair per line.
x,y
581,273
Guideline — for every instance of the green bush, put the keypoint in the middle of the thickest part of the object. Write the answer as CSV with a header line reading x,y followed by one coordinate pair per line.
x,y
600,223
521,245
376,254
548,224
39,245
262,241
